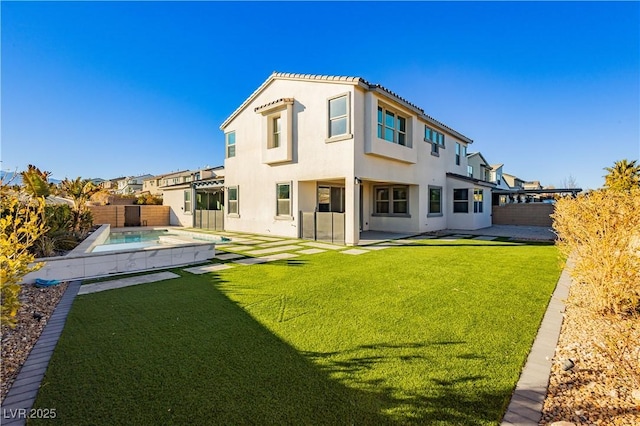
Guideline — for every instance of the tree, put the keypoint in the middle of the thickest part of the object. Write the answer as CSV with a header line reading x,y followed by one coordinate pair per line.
x,y
36,182
623,176
569,183
79,191
21,224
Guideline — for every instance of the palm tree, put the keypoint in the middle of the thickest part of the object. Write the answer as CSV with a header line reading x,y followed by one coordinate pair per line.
x,y
36,182
79,191
623,176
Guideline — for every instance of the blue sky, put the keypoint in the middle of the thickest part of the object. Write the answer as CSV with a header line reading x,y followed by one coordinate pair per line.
x,y
550,89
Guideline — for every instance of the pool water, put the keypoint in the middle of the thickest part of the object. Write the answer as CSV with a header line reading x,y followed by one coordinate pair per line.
x,y
136,237
118,241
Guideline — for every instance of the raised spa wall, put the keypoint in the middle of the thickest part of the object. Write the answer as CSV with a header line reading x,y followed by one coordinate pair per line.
x,y
80,263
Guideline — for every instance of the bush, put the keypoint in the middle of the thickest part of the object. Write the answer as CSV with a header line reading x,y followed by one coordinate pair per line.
x,y
601,229
21,224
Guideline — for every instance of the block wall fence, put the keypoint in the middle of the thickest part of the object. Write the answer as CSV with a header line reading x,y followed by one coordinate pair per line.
x,y
114,215
525,214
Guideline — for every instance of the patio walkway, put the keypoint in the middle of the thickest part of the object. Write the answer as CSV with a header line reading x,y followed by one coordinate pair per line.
x,y
514,232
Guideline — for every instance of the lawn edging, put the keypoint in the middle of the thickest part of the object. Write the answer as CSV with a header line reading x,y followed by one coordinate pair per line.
x,y
16,407
528,398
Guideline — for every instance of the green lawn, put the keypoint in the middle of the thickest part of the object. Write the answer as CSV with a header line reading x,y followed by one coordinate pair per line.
x,y
433,333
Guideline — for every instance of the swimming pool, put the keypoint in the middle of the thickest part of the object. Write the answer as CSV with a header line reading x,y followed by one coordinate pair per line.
x,y
129,240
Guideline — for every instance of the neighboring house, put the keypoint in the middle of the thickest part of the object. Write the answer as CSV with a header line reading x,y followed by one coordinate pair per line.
x,y
478,167
535,184
303,146
497,178
131,185
153,184
196,197
513,181
111,185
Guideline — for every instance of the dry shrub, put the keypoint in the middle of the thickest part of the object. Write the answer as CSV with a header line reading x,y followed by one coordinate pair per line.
x,y
601,231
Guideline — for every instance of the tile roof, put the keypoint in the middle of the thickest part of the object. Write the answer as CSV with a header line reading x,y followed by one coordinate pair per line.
x,y
346,80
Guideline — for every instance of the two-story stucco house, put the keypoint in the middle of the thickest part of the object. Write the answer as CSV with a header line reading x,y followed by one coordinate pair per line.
x,y
308,154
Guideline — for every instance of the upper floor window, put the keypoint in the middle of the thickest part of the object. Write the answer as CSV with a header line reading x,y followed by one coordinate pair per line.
x,y
274,140
339,116
433,136
230,141
392,127
470,171
392,200
458,153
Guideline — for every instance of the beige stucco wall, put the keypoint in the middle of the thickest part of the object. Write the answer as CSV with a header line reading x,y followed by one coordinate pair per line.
x,y
363,155
174,199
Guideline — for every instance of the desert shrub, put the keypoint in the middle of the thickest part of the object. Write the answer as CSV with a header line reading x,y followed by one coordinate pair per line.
x,y
59,236
149,200
601,229
21,224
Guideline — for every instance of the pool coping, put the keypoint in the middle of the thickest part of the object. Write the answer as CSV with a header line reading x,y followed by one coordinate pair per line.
x,y
82,265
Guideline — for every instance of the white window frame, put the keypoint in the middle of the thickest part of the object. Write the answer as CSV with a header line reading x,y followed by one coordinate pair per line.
x,y
280,214
275,130
346,116
233,205
228,145
187,201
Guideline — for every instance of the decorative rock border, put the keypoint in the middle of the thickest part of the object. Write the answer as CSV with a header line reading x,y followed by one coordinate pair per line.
x,y
16,407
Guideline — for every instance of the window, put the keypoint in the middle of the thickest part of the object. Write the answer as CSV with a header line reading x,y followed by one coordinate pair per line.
x,y
478,198
230,141
274,140
392,127
187,201
232,200
283,198
338,116
392,200
436,138
331,199
470,171
435,201
461,201
457,154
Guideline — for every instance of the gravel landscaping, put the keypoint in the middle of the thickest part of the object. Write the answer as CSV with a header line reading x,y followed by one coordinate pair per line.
x,y
593,391
37,306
